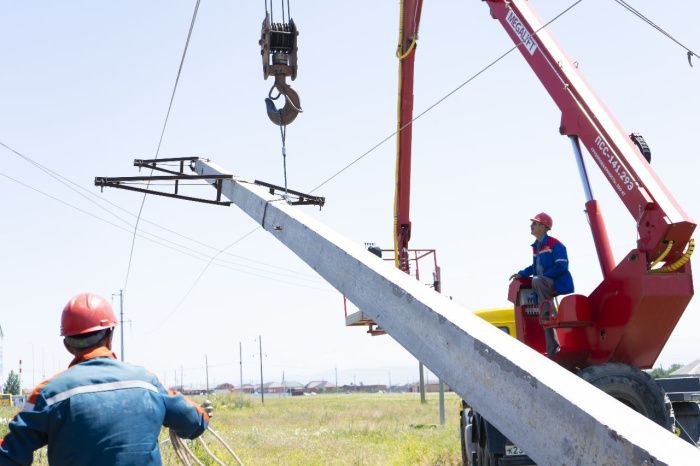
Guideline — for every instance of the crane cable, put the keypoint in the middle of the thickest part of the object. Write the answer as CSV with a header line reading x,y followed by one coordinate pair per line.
x,y
188,458
283,136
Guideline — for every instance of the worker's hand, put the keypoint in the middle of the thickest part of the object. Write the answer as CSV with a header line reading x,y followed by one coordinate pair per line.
x,y
514,276
208,407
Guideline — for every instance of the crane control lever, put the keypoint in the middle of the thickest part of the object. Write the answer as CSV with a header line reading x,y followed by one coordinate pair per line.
x,y
278,48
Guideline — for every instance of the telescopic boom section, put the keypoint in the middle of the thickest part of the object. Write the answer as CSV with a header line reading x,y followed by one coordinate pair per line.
x,y
659,218
406,53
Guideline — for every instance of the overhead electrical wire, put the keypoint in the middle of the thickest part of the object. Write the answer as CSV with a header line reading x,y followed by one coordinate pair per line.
x,y
439,101
162,242
641,16
72,185
160,141
199,277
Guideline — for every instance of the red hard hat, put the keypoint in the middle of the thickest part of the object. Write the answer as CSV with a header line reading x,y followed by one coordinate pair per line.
x,y
544,219
86,313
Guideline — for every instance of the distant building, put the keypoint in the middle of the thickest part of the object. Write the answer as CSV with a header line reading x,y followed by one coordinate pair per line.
x,y
292,385
247,388
689,369
223,388
432,387
352,388
319,386
275,387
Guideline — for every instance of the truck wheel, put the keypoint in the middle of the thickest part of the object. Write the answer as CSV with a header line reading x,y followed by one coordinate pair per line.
x,y
466,435
485,457
463,423
634,388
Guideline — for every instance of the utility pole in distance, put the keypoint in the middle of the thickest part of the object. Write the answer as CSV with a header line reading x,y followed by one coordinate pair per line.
x,y
262,386
240,364
121,320
206,368
421,382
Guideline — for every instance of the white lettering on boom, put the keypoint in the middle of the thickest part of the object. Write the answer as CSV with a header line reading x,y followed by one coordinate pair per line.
x,y
521,31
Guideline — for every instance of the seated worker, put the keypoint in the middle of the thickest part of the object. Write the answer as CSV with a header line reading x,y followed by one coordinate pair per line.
x,y
549,270
100,411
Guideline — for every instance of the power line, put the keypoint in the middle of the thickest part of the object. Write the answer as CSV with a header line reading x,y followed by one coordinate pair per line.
x,y
641,16
441,100
198,257
162,134
72,186
201,274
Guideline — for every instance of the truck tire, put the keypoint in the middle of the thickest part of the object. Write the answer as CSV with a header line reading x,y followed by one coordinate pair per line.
x,y
464,425
633,387
486,457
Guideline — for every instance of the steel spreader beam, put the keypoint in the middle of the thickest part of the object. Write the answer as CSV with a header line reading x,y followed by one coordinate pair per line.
x,y
554,416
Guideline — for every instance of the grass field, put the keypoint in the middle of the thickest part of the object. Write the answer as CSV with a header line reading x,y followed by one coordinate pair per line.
x,y
357,429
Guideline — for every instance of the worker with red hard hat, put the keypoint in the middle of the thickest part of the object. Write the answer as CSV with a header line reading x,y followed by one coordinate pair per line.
x,y
100,411
549,270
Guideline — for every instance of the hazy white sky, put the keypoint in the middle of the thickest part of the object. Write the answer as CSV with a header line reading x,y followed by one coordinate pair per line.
x,y
85,88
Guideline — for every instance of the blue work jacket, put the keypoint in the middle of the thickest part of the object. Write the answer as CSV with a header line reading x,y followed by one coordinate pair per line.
x,y
551,255
99,412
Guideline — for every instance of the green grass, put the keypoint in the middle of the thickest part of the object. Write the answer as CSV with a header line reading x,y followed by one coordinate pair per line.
x,y
357,429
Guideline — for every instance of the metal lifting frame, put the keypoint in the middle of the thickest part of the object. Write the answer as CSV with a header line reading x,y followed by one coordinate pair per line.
x,y
553,415
293,197
122,182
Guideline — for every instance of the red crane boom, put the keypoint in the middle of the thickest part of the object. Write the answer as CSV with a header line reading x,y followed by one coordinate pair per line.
x,y
406,52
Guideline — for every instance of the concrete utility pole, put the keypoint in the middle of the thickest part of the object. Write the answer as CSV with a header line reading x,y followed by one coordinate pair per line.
x,y
503,379
442,403
121,321
240,365
421,382
206,368
262,385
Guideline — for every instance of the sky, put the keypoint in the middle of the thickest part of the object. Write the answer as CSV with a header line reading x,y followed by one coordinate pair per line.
x,y
85,90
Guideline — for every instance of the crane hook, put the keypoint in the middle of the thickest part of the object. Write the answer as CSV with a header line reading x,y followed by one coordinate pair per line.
x,y
292,105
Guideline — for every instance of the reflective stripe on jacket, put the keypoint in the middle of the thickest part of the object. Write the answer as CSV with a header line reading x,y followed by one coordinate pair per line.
x,y
99,411
552,258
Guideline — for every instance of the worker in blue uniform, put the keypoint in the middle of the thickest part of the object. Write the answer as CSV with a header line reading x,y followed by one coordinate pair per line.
x,y
100,411
549,271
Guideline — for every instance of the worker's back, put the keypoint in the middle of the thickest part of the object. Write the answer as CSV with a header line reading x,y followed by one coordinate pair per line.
x,y
100,411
